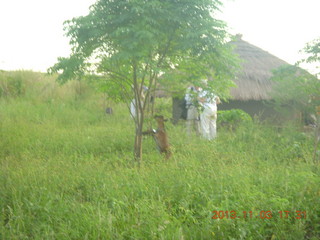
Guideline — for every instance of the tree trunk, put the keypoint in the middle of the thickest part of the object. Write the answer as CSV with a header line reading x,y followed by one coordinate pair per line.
x,y
316,139
138,126
138,145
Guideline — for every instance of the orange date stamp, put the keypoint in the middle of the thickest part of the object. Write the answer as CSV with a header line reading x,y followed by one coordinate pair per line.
x,y
259,214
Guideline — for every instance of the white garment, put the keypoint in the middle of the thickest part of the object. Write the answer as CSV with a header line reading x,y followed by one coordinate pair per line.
x,y
208,123
210,100
133,103
208,118
192,123
189,97
133,108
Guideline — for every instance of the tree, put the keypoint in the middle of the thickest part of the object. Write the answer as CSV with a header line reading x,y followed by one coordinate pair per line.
x,y
295,89
130,43
298,89
312,49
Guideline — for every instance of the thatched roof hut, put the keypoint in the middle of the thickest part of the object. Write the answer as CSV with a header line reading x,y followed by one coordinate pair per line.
x,y
253,81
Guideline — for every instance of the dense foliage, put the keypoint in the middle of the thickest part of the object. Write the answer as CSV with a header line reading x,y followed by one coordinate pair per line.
x,y
295,89
233,118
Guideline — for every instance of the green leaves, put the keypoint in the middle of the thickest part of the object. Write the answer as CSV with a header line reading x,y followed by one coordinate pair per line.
x,y
72,67
295,88
156,33
313,48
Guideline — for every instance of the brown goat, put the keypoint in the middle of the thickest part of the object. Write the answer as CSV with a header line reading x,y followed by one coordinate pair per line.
x,y
160,136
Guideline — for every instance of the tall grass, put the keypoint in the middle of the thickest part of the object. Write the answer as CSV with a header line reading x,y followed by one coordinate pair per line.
x,y
67,173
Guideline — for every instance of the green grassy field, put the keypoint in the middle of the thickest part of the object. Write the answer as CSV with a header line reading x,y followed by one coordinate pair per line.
x,y
67,173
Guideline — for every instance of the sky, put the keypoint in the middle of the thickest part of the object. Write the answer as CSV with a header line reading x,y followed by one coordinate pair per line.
x,y
32,36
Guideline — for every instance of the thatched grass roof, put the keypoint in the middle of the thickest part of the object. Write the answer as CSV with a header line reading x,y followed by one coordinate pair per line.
x,y
253,81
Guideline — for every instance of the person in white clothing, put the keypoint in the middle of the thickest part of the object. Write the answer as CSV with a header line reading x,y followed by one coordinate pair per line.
x,y
208,117
192,123
133,102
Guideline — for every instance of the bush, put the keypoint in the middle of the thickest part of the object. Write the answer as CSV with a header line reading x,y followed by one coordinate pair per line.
x,y
11,84
232,118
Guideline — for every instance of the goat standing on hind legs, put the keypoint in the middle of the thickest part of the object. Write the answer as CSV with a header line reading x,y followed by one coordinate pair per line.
x,y
160,136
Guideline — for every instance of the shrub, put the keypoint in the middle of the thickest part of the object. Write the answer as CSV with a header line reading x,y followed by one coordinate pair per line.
x,y
11,84
232,118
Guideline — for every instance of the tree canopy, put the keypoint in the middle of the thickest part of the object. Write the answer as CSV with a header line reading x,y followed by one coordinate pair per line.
x,y
313,50
146,38
296,87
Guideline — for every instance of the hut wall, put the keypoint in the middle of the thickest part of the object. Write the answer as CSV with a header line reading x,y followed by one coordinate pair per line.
x,y
254,108
179,110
